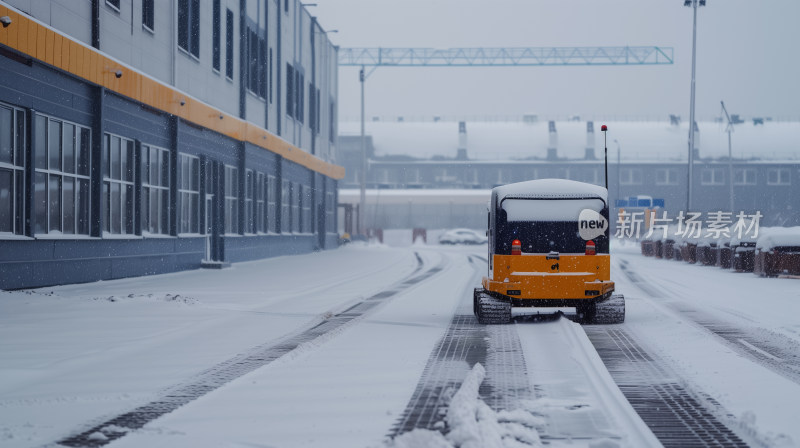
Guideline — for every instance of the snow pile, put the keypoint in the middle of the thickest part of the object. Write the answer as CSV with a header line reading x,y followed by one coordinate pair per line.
x,y
779,237
473,424
551,188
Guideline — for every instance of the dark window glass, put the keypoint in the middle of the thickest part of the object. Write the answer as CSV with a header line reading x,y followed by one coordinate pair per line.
x,y
6,135
183,24
148,14
6,200
253,62
68,148
189,26
40,202
41,142
229,44
195,28
54,145
270,76
290,100
113,3
216,36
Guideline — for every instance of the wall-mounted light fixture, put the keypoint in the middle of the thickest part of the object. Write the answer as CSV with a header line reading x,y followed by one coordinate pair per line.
x,y
6,21
117,72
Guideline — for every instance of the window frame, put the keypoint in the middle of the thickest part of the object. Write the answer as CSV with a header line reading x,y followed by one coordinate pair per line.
x,y
229,44
746,179
261,203
717,176
631,178
231,198
781,180
191,27
194,216
115,5
667,176
17,170
216,36
130,202
77,177
249,202
272,204
149,13
147,187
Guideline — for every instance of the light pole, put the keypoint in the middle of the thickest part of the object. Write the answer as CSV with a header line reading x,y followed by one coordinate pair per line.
x,y
693,4
363,199
619,169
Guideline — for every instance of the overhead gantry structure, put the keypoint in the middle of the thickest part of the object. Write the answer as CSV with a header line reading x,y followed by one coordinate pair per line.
x,y
504,57
488,57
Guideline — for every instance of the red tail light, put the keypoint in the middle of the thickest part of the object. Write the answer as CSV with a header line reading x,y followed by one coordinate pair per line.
x,y
590,248
516,247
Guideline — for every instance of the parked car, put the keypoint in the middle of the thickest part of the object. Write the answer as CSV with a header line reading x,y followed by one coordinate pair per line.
x,y
462,236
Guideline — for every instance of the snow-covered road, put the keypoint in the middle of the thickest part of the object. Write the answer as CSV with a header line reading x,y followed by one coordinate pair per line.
x,y
330,349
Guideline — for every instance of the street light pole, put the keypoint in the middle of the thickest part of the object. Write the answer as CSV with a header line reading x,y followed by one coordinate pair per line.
x,y
693,4
619,169
362,206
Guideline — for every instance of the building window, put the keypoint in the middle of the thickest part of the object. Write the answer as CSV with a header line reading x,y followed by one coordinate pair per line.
x,y
286,222
12,170
778,176
272,204
231,200
148,15
331,122
270,76
189,193
299,111
329,212
305,205
216,36
256,78
713,176
295,201
118,188
666,176
744,176
249,205
61,177
155,190
114,4
189,26
261,194
630,176
286,6
290,90
229,44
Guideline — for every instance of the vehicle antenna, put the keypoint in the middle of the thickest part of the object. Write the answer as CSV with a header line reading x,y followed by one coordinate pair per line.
x,y
604,128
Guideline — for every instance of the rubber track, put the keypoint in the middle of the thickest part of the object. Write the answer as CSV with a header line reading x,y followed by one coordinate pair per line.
x,y
674,415
229,370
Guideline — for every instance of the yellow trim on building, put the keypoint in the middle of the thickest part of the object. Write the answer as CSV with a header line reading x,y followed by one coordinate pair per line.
x,y
51,47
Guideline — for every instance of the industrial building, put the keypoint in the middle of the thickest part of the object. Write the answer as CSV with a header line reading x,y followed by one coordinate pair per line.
x,y
141,136
645,158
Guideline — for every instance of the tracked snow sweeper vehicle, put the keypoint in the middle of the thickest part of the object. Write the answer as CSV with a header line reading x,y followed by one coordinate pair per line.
x,y
549,247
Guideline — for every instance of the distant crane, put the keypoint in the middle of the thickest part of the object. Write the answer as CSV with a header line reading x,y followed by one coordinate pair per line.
x,y
487,57
729,130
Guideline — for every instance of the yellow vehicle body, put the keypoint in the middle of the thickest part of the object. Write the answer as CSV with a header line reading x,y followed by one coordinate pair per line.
x,y
528,279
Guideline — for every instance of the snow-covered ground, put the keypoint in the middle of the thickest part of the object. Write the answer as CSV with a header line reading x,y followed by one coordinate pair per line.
x,y
672,308
76,356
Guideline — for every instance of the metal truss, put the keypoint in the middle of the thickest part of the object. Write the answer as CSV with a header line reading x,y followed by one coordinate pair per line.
x,y
494,57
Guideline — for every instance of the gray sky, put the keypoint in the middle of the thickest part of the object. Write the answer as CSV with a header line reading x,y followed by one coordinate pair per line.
x,y
747,56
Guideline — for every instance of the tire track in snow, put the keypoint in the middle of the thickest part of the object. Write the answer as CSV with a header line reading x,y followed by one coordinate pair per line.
x,y
675,416
774,351
116,427
465,343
